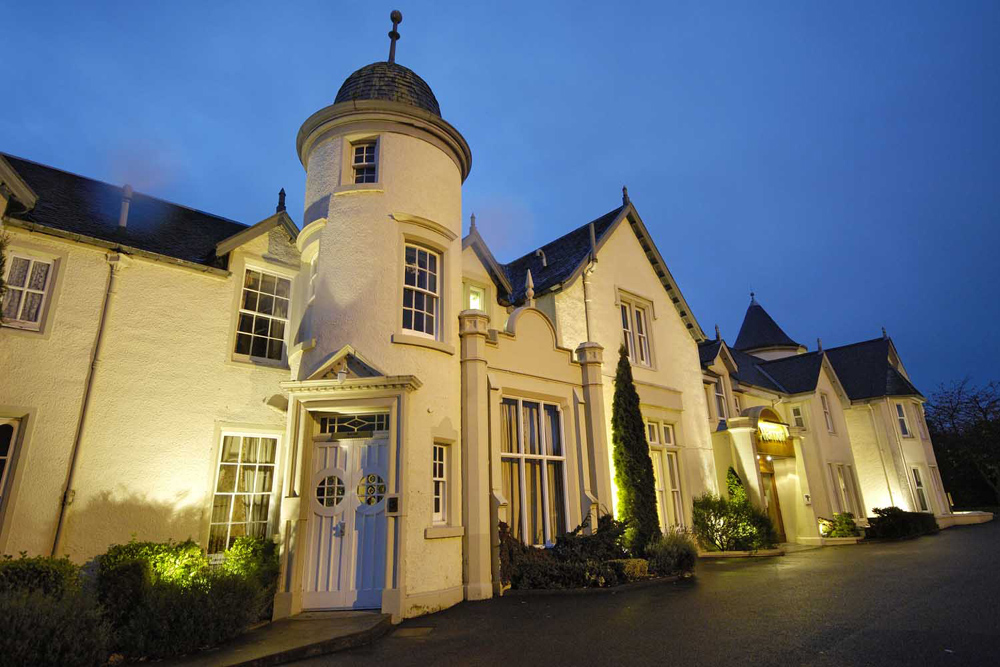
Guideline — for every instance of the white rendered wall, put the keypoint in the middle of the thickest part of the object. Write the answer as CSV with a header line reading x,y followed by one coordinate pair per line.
x,y
163,387
358,302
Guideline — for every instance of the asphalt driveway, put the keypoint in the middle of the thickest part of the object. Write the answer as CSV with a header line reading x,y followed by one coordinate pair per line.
x,y
930,601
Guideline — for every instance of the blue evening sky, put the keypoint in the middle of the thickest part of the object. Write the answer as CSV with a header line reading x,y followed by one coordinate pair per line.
x,y
841,158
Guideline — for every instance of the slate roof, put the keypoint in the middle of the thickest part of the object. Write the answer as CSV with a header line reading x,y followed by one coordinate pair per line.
x,y
865,372
749,372
80,205
391,83
796,374
760,331
708,350
562,257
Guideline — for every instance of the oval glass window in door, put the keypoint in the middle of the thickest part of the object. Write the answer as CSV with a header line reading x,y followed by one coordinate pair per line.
x,y
371,489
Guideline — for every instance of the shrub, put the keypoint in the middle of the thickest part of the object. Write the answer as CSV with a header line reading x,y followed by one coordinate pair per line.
x,y
163,599
630,569
727,525
674,553
51,576
734,484
65,629
894,523
843,525
633,466
607,543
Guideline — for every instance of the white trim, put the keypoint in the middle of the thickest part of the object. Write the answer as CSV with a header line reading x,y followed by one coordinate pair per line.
x,y
824,401
902,421
32,259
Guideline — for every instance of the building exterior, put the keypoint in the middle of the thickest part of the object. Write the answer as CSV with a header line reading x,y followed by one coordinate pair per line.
x,y
168,373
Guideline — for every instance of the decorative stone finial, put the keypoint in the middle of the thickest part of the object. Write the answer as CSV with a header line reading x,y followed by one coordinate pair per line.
x,y
819,344
396,17
472,223
281,201
884,334
529,291
625,199
718,336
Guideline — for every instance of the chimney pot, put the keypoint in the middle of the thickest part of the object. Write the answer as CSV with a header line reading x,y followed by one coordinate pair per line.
x,y
126,202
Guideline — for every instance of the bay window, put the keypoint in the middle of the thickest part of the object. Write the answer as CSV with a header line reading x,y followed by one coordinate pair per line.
x,y
533,470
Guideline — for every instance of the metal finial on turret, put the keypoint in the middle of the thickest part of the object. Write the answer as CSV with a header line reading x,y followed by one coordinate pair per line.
x,y
753,297
625,199
472,223
529,292
281,201
396,17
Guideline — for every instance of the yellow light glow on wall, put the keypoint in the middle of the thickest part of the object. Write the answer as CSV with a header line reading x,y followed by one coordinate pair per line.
x,y
772,432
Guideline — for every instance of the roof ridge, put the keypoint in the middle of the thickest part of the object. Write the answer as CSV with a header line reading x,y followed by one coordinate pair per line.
x,y
119,187
860,342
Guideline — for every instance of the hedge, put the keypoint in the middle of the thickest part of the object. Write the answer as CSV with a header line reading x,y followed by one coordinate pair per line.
x,y
724,524
894,523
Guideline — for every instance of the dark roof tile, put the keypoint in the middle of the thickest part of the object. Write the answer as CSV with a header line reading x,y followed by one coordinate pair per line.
x,y
865,371
391,83
760,331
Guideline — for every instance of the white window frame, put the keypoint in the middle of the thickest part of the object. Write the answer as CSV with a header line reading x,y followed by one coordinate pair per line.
x,y
45,292
274,492
845,490
920,491
798,418
902,421
673,461
636,333
664,453
544,458
824,401
9,458
434,295
720,398
736,402
366,165
254,314
439,484
921,420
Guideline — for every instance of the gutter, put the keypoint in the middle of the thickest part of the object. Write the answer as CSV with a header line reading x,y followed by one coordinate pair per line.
x,y
68,492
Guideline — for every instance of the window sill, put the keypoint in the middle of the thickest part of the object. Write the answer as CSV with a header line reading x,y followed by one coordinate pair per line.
x,y
260,363
441,532
355,188
406,339
21,326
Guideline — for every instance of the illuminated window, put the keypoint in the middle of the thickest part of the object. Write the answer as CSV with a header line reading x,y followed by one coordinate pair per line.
x,y
533,470
919,488
904,427
653,433
720,399
439,478
477,298
420,291
797,418
364,162
244,490
827,415
28,281
844,489
635,330
674,476
263,317
666,474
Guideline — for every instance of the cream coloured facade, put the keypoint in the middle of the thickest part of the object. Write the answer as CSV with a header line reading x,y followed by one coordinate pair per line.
x,y
376,391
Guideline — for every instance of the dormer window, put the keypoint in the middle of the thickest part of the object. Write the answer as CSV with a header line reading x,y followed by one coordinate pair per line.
x,y
364,162
263,317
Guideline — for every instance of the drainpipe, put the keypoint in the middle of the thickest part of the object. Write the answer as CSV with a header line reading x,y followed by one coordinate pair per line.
x,y
881,456
586,280
68,492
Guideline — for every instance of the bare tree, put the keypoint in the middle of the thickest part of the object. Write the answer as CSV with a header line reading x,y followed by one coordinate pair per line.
x,y
965,420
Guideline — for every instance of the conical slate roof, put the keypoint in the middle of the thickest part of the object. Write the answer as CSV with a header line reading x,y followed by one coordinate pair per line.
x,y
759,331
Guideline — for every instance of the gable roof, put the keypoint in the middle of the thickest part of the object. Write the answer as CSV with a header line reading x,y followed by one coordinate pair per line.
x,y
566,257
760,331
796,374
866,372
748,371
82,206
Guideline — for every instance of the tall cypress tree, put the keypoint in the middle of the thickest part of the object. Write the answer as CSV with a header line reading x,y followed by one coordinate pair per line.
x,y
633,466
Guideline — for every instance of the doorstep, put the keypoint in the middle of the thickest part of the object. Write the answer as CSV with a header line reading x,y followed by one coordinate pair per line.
x,y
297,637
962,519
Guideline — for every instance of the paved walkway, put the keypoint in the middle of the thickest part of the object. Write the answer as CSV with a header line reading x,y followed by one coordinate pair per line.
x,y
296,638
930,601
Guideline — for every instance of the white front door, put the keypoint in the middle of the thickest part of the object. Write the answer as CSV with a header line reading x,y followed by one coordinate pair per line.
x,y
346,560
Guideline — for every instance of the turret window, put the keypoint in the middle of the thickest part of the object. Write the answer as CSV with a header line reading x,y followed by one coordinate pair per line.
x,y
420,291
364,162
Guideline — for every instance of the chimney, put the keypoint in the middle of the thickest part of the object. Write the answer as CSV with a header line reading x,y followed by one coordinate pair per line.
x,y
126,201
718,336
